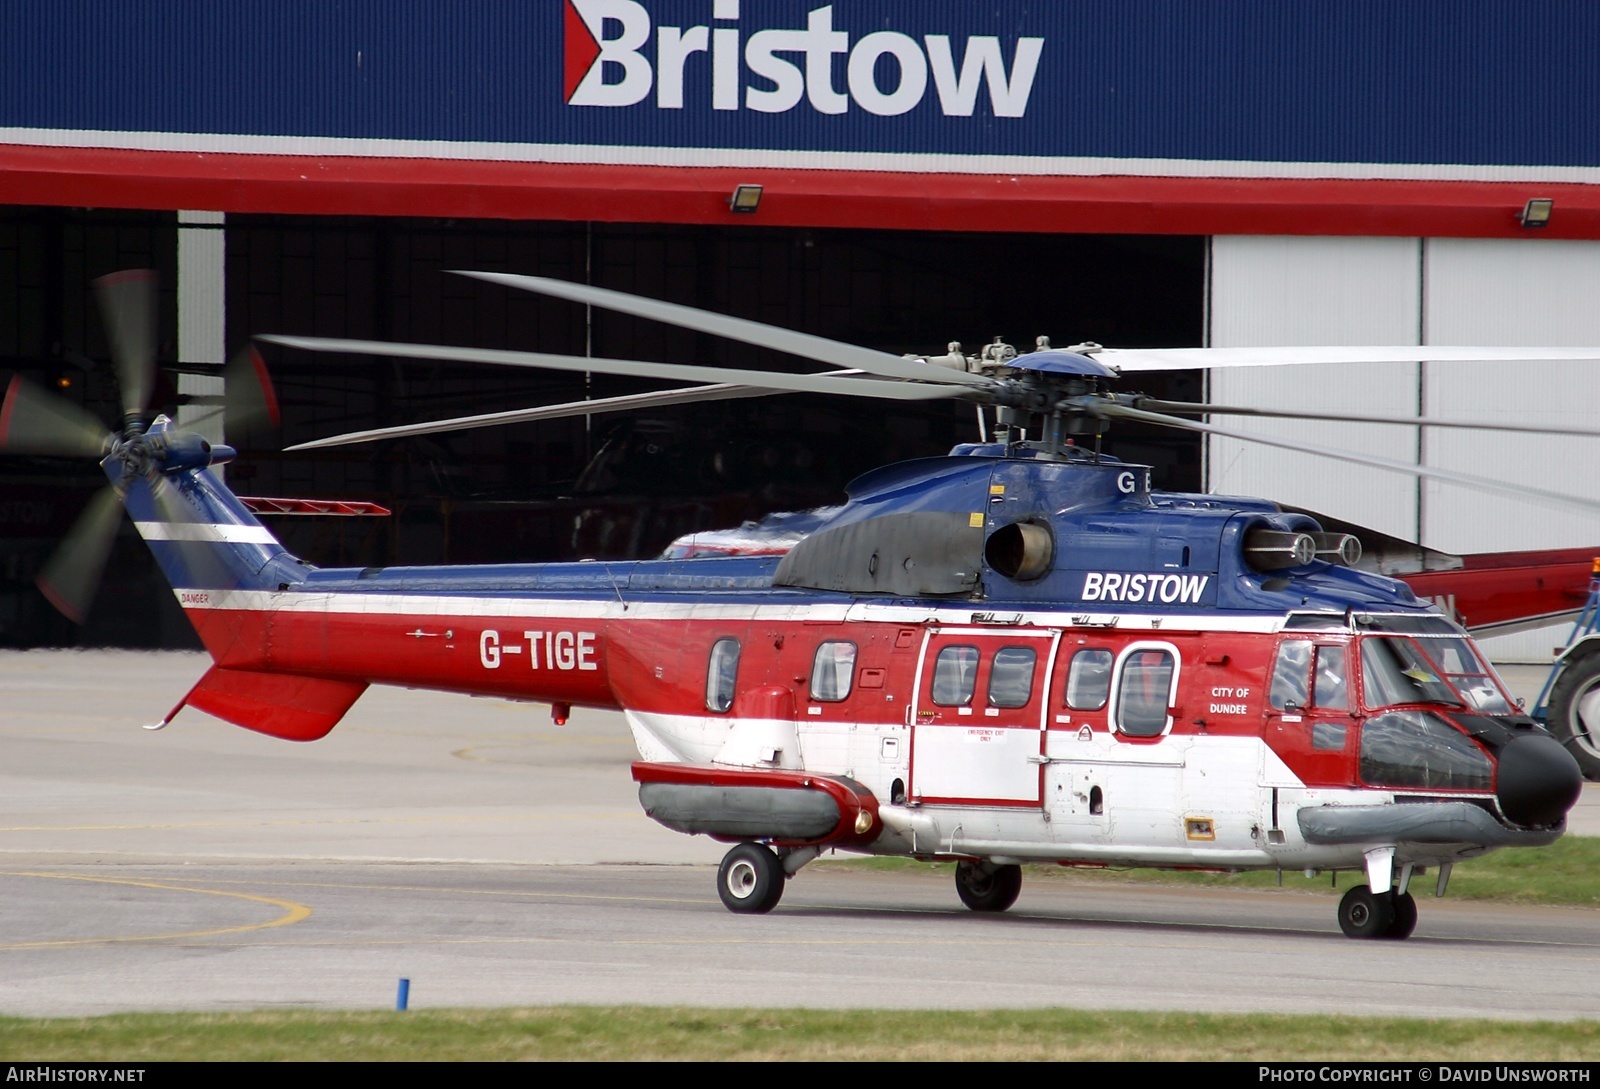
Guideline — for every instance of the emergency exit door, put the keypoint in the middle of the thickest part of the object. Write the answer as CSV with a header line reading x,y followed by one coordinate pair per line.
x,y
978,733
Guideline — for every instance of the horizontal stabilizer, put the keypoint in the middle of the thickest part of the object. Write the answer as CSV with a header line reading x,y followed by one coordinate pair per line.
x,y
281,704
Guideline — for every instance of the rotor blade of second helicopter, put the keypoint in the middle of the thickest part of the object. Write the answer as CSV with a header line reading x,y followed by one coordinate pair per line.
x,y
636,368
1186,407
1504,487
805,345
691,395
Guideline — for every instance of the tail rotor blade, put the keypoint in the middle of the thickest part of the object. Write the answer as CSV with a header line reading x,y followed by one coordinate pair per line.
x,y
35,421
128,308
251,399
71,576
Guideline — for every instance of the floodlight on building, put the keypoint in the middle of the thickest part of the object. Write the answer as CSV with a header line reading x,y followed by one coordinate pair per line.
x,y
1536,213
746,198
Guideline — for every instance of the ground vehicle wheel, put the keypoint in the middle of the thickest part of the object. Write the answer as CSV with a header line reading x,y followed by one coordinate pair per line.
x,y
983,886
750,879
1363,914
1574,712
1405,916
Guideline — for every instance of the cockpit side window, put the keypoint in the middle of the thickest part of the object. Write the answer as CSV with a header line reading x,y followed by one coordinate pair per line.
x,y
1291,675
1329,691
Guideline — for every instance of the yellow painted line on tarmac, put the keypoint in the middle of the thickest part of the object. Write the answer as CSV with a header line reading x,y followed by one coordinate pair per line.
x,y
590,942
527,817
454,891
292,912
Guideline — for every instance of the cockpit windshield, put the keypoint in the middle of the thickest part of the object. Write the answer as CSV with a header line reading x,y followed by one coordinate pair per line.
x,y
1429,669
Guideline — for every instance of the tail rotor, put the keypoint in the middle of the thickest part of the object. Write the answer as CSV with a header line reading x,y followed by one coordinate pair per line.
x,y
36,422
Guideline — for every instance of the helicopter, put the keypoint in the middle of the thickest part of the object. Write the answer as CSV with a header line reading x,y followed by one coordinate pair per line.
x,y
1021,652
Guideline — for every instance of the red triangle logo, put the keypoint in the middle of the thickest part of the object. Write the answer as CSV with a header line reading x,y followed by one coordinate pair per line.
x,y
579,52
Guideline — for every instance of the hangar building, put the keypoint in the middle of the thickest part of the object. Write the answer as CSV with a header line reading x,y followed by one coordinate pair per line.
x,y
1132,172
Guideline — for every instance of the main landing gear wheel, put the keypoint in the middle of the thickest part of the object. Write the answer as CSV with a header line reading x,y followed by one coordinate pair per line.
x,y
983,886
1574,714
1405,916
1364,914
750,879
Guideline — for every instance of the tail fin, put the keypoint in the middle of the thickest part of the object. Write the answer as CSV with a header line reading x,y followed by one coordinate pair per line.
x,y
223,563
211,549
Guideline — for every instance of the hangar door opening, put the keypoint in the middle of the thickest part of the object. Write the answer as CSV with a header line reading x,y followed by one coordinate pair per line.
x,y
606,486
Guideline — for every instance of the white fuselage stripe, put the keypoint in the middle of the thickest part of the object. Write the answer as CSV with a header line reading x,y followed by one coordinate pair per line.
x,y
212,532
463,604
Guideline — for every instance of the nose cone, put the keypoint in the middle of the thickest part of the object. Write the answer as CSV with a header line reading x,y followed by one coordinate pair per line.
x,y
1539,780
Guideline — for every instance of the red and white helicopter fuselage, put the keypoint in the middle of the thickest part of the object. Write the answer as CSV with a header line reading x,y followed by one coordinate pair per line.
x,y
827,698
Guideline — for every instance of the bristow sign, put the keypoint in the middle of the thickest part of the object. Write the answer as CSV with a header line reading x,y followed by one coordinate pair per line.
x,y
615,56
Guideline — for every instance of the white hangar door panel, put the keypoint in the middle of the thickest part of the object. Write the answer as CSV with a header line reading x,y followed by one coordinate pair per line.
x,y
1507,292
1315,291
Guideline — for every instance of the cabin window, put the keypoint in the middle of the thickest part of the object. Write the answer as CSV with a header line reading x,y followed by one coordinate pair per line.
x,y
955,672
831,672
721,672
1418,749
1089,679
1144,691
1011,677
1291,676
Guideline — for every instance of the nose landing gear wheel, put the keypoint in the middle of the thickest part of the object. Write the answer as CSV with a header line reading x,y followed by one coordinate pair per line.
x,y
750,879
1365,914
984,886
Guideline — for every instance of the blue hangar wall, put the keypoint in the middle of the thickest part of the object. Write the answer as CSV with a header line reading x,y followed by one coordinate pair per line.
x,y
1108,115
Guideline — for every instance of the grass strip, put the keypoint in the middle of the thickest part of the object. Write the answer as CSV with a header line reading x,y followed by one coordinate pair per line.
x,y
650,1033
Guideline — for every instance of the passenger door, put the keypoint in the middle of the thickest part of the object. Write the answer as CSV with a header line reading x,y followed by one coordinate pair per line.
x,y
979,716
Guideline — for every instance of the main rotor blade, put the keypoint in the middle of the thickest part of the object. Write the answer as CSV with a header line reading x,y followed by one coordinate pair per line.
x,y
1518,491
128,308
35,421
805,345
1191,407
672,372
632,401
72,574
1128,360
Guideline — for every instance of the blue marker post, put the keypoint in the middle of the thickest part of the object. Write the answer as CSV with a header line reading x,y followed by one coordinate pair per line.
x,y
404,995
